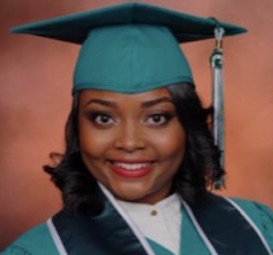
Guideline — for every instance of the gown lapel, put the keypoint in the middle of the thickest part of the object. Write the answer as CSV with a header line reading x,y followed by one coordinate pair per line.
x,y
159,249
224,229
106,234
190,241
216,227
213,227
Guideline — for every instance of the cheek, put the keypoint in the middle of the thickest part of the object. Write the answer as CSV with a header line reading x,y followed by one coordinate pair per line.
x,y
170,144
92,149
93,142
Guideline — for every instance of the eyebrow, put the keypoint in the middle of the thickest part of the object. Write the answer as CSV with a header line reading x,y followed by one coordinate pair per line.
x,y
143,105
102,102
156,101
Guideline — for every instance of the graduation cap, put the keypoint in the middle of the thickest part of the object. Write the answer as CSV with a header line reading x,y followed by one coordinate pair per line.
x,y
129,48
132,47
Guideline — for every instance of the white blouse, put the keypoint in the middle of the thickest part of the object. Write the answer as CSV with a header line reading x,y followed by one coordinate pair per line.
x,y
160,222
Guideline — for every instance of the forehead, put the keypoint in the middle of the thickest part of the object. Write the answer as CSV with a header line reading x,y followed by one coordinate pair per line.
x,y
87,95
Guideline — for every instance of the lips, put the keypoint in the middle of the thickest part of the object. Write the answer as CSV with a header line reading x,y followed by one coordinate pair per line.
x,y
132,169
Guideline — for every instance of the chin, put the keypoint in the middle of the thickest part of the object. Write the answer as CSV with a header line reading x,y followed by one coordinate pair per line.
x,y
128,192
128,195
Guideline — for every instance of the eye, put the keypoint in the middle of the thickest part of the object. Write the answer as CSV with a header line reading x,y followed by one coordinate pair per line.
x,y
101,119
159,119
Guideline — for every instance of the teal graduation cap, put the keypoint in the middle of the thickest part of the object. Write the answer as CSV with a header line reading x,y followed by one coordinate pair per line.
x,y
131,47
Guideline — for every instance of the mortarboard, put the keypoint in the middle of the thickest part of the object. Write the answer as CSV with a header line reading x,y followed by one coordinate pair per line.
x,y
134,47
129,48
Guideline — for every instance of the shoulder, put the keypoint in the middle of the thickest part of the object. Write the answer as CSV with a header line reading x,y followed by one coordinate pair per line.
x,y
260,214
36,241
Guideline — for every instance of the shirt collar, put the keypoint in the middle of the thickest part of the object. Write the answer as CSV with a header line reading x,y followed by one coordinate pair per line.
x,y
170,206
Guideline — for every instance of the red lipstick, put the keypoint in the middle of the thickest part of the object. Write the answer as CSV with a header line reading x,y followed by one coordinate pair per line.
x,y
131,169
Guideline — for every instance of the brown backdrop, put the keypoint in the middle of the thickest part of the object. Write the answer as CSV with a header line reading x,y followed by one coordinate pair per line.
x,y
35,99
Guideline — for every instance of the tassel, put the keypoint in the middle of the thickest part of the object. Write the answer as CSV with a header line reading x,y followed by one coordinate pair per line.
x,y
216,61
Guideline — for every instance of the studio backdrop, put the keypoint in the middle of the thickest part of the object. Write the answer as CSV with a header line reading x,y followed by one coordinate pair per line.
x,y
35,97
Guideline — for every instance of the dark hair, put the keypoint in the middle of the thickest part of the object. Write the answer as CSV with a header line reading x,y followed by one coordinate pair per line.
x,y
200,168
198,171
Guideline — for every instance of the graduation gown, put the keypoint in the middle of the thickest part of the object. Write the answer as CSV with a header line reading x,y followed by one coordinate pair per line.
x,y
219,226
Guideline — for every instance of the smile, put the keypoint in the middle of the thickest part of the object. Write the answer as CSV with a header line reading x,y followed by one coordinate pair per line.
x,y
131,166
132,169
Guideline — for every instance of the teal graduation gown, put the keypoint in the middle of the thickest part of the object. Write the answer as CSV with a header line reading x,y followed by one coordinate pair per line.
x,y
110,234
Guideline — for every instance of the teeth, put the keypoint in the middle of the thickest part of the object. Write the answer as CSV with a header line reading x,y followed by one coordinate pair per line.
x,y
131,167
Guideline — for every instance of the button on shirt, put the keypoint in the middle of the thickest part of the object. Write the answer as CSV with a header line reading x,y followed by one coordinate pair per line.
x,y
160,222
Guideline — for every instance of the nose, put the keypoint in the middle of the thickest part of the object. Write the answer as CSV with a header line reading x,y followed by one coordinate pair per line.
x,y
130,138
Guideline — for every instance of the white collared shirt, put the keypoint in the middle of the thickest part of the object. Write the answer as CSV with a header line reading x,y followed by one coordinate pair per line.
x,y
160,222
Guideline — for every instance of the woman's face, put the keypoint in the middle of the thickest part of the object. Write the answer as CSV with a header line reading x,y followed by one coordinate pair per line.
x,y
131,143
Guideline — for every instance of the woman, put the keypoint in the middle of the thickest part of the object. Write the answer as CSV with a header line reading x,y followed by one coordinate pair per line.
x,y
139,155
